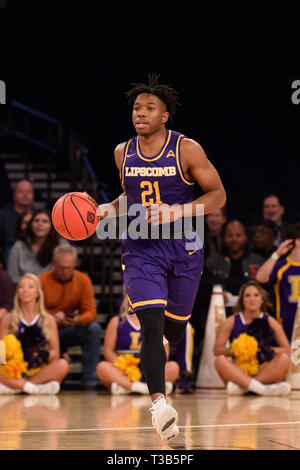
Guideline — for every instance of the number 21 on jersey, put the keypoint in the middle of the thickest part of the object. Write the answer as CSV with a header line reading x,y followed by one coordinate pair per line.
x,y
150,189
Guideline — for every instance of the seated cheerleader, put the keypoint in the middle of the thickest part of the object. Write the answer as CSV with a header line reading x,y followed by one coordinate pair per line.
x,y
119,372
39,369
258,357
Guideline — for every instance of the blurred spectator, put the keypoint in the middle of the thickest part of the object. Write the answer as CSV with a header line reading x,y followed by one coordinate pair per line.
x,y
236,265
258,368
214,231
7,292
264,236
23,200
123,336
22,224
282,271
33,252
273,210
30,323
70,298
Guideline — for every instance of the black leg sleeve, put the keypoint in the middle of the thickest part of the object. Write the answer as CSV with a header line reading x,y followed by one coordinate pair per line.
x,y
153,354
174,331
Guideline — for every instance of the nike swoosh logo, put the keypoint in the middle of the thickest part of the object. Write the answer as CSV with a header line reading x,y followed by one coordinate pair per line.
x,y
191,252
131,154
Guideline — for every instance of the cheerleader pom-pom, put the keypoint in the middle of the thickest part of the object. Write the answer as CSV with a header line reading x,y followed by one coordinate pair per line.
x,y
245,349
15,365
127,363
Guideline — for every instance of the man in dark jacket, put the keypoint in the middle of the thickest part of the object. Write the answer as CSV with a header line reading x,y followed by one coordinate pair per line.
x,y
236,265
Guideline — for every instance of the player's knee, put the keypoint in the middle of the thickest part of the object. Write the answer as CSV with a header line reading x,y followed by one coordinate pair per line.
x,y
152,322
174,331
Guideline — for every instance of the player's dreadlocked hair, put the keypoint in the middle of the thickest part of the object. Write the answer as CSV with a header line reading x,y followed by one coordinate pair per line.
x,y
165,93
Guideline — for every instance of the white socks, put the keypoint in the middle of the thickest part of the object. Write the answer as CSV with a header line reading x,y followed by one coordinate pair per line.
x,y
257,387
276,389
30,388
140,387
49,388
4,390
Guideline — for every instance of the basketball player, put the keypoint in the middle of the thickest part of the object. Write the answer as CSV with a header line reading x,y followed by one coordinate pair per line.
x,y
158,168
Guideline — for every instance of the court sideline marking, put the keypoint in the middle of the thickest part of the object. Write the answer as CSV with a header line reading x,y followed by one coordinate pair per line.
x,y
150,427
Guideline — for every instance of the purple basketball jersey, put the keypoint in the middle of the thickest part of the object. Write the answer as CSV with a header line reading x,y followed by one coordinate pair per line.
x,y
159,271
157,179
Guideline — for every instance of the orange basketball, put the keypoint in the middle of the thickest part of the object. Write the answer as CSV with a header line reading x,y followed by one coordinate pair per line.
x,y
74,216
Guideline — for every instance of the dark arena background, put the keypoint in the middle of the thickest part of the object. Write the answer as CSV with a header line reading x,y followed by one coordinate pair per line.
x,y
66,68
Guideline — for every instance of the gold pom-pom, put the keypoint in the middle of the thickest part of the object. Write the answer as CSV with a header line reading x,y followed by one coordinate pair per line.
x,y
15,365
245,349
127,363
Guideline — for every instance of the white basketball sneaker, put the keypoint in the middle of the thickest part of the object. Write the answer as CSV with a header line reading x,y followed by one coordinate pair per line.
x,y
164,419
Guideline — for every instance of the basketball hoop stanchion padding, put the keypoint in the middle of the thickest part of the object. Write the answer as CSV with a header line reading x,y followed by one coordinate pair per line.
x,y
293,376
2,352
207,376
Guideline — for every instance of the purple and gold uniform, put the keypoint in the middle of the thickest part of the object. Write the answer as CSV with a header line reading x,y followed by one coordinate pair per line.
x,y
33,342
285,277
159,272
240,325
128,336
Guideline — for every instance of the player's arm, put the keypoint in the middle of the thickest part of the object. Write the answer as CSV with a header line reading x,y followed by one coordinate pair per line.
x,y
118,206
196,165
223,335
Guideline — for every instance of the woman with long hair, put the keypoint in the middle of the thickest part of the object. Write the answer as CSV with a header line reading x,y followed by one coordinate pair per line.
x,y
214,231
32,253
251,331
37,333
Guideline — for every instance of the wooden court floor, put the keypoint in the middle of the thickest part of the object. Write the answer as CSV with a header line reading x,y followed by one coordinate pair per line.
x,y
208,420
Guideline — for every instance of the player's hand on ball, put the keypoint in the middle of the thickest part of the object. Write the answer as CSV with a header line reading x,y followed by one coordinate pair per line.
x,y
162,213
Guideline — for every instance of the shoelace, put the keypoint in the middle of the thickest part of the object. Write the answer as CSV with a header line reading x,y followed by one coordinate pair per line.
x,y
155,404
